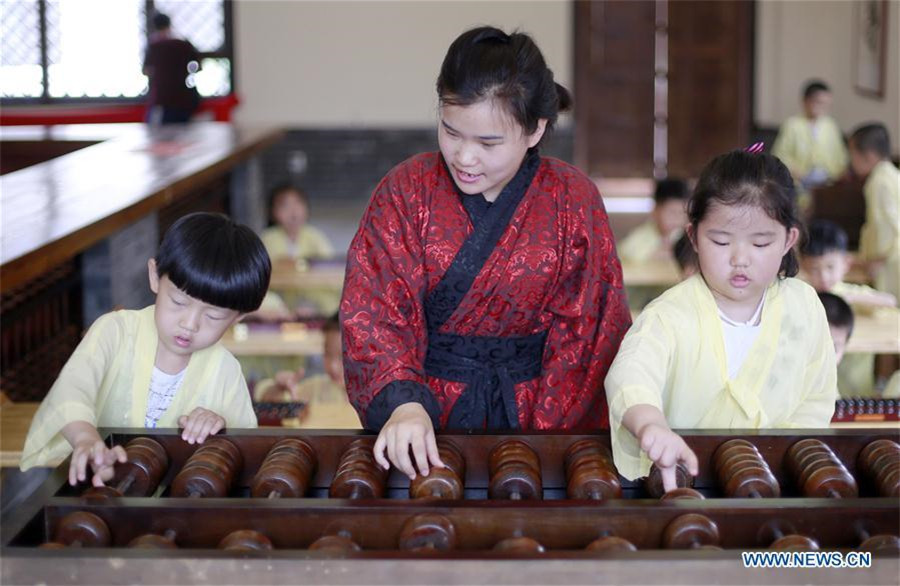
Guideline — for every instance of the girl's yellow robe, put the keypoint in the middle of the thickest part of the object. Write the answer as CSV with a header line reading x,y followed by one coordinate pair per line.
x,y
673,358
106,383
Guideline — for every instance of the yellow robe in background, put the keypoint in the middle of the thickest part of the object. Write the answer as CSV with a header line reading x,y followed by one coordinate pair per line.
x,y
880,235
640,244
673,358
856,372
636,248
311,243
801,151
106,382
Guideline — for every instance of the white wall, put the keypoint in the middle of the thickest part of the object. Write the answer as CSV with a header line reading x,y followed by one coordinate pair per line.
x,y
800,39
369,63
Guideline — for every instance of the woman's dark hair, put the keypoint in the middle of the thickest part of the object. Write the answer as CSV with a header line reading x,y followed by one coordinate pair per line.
x,y
760,180
837,311
486,63
215,260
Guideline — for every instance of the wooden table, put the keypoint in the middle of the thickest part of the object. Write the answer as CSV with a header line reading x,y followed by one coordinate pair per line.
x,y
55,210
288,275
15,419
651,273
876,333
287,339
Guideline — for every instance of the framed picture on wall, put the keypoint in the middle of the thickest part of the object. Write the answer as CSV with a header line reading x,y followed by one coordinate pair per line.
x,y
870,19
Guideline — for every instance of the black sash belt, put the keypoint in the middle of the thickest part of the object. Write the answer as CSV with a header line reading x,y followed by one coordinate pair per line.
x,y
491,367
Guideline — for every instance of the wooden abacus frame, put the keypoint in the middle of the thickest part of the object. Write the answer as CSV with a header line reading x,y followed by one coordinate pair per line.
x,y
564,527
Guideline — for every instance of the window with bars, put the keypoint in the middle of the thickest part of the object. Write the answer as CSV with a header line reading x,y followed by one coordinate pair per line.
x,y
65,51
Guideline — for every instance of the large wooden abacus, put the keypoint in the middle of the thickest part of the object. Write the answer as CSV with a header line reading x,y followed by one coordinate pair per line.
x,y
271,496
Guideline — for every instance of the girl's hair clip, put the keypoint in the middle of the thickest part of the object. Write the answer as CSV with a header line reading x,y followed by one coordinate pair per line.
x,y
756,148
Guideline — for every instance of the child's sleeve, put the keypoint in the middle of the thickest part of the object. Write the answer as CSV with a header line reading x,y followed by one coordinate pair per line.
x,y
820,391
237,405
74,395
637,376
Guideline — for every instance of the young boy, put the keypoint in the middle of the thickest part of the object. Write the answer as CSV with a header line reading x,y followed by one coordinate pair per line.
x,y
879,242
655,238
840,322
811,145
825,262
161,366
324,394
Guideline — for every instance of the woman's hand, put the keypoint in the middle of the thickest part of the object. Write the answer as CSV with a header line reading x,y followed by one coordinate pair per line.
x,y
409,427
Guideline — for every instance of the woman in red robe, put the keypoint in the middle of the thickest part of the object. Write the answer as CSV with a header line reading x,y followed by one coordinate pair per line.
x,y
483,290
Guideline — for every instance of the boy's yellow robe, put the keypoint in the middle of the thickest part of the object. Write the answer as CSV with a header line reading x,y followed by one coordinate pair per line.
x,y
856,372
880,235
673,358
640,244
801,151
106,382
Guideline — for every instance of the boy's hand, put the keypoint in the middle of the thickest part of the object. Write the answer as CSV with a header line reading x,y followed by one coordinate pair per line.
x,y
200,424
666,448
99,457
409,427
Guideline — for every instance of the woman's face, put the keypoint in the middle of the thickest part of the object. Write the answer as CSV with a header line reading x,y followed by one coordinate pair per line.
x,y
483,146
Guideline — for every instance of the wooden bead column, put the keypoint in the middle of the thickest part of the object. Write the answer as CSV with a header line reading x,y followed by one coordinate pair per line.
x,y
286,472
140,475
515,472
590,473
358,475
210,471
817,471
442,483
743,472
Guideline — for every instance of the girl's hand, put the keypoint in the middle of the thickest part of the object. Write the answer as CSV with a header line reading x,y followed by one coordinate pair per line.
x,y
409,427
666,448
200,424
100,458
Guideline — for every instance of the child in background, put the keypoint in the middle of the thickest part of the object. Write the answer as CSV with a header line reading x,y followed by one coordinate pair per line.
x,y
290,236
825,262
840,322
739,345
811,145
879,242
686,257
655,238
325,396
161,366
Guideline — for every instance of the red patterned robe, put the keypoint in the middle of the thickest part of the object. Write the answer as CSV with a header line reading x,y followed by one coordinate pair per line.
x,y
503,315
